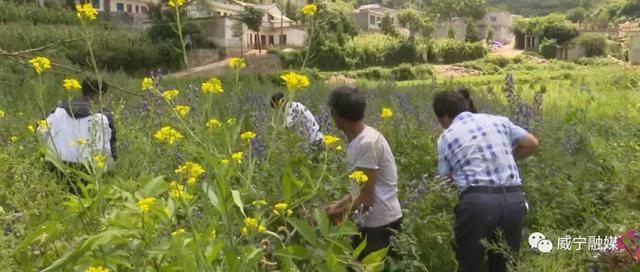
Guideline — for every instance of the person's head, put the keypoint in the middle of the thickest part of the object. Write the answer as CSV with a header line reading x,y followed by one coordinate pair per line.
x,y
91,88
447,105
276,100
466,93
347,106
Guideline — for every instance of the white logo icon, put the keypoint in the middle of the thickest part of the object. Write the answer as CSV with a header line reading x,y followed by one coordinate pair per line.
x,y
539,241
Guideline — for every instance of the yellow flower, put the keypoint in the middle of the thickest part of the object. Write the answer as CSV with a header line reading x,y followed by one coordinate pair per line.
x,y
170,94
191,171
386,113
237,156
145,203
212,236
329,139
1,114
40,64
359,176
80,141
339,148
71,84
13,139
182,110
231,121
289,212
224,161
86,11
96,269
147,83
214,123
213,85
259,202
176,3
295,81
281,206
31,129
244,230
237,63
309,9
42,124
249,135
167,212
99,159
168,134
177,232
262,228
281,209
251,222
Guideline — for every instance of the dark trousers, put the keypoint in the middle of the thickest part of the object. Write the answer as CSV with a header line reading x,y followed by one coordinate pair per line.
x,y
377,238
478,216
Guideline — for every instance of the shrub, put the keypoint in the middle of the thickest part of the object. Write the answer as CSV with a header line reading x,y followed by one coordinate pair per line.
x,y
369,49
330,56
453,51
423,71
594,44
374,73
13,13
548,48
403,72
500,61
404,52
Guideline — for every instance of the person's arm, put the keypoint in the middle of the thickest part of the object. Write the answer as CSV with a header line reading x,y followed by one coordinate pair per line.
x,y
364,199
526,147
444,167
114,142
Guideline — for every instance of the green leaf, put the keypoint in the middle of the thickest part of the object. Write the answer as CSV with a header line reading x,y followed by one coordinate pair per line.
x,y
153,187
375,257
360,248
287,185
213,198
212,251
323,221
238,201
293,252
304,230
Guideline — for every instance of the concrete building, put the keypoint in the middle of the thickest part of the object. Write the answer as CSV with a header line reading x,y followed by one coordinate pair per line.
x,y
125,13
498,24
634,48
458,25
369,17
223,27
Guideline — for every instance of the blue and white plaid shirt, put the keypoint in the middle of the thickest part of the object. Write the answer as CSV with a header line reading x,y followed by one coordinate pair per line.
x,y
476,150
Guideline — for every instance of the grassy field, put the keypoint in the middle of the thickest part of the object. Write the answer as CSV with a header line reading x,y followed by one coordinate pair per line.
x,y
583,182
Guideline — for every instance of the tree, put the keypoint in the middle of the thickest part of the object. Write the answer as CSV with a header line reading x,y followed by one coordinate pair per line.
x,y
577,15
415,22
451,32
388,27
472,31
291,11
475,9
252,17
238,32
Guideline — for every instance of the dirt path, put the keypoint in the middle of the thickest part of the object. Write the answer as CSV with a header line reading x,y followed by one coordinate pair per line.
x,y
454,70
216,68
507,50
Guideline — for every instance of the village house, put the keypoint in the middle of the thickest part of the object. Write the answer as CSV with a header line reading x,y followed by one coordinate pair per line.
x,y
493,26
458,25
124,13
222,26
369,17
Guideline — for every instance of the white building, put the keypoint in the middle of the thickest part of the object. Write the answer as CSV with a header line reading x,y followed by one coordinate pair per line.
x,y
369,17
133,7
498,24
221,24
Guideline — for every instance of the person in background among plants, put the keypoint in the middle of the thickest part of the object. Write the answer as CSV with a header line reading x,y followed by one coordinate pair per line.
x,y
376,199
78,133
299,117
478,151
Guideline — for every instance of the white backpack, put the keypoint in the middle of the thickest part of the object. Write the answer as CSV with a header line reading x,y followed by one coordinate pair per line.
x,y
77,140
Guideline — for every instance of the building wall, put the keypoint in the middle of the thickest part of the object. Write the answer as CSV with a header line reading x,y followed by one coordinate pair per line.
x,y
136,6
571,53
442,29
500,23
634,48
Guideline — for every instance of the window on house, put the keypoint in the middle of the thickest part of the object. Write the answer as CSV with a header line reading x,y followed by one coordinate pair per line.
x,y
129,8
271,40
283,39
494,19
137,9
372,20
120,7
270,18
95,3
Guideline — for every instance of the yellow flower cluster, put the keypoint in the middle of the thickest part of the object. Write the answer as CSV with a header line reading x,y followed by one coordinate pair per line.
x,y
359,176
147,83
259,202
251,223
214,123
191,171
1,114
309,9
31,129
237,63
231,121
40,64
282,209
43,124
96,269
295,81
213,85
178,232
237,157
176,3
176,191
145,203
13,139
168,134
182,110
339,148
71,84
248,136
329,139
86,11
99,159
386,113
170,94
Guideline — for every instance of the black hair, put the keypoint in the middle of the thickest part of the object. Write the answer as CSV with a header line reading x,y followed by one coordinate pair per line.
x,y
276,98
449,104
348,103
466,93
91,87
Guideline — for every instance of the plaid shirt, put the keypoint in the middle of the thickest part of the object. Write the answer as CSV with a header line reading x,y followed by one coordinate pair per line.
x,y
476,150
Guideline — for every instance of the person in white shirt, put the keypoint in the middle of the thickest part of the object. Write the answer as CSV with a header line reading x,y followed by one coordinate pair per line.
x,y
374,201
300,118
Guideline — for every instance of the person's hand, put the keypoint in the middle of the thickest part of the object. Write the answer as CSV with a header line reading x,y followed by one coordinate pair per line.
x,y
334,213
